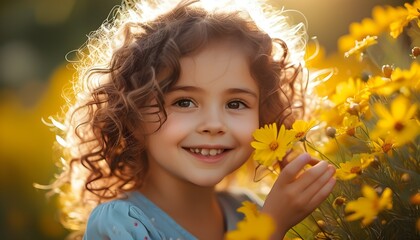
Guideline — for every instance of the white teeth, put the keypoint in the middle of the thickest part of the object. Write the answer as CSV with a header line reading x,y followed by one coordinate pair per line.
x,y
206,151
213,152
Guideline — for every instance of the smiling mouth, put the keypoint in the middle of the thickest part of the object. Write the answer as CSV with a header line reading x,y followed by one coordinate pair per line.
x,y
207,151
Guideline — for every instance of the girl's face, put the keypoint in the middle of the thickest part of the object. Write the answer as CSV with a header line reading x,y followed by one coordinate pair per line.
x,y
212,112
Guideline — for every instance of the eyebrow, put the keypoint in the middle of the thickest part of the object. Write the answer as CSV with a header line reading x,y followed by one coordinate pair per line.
x,y
200,90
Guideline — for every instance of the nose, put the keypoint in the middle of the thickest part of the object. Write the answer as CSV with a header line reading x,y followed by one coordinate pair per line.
x,y
213,122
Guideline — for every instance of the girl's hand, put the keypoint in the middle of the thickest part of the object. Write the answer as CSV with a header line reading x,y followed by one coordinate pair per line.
x,y
297,192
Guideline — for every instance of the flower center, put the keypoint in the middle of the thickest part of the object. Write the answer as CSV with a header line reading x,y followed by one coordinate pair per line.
x,y
351,131
386,147
398,126
300,135
356,170
274,145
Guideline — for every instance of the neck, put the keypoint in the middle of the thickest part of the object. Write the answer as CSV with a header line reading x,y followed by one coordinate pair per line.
x,y
181,194
186,203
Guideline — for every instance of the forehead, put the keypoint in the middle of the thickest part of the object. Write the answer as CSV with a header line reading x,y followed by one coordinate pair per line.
x,y
221,61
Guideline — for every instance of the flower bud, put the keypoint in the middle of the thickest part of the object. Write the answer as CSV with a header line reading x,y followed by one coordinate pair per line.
x,y
365,76
415,52
405,177
331,132
415,199
354,109
321,223
339,201
387,70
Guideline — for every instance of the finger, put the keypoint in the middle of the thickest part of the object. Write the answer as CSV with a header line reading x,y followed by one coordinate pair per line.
x,y
289,173
317,186
308,177
289,157
322,194
314,161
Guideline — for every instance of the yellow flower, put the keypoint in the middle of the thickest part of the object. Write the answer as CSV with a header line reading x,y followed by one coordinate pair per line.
x,y
382,146
383,86
356,107
271,146
332,116
411,13
368,206
255,225
366,159
399,79
355,89
249,209
382,16
301,128
354,167
360,46
398,123
409,78
349,125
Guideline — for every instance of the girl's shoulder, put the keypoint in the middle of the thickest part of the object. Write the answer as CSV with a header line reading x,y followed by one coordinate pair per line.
x,y
136,217
120,219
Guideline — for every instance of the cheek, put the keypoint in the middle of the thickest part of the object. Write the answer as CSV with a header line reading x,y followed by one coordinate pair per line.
x,y
173,128
245,128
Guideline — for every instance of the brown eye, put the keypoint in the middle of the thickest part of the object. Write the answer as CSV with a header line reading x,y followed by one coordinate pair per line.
x,y
184,103
236,105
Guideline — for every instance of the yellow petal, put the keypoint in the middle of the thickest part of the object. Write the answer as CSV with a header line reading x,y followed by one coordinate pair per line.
x,y
382,111
385,202
264,136
399,107
361,209
411,111
260,145
369,193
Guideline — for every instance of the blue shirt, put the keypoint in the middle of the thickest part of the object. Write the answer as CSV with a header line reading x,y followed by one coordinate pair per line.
x,y
136,217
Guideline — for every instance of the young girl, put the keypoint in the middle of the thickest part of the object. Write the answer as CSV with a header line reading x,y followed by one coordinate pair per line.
x,y
166,101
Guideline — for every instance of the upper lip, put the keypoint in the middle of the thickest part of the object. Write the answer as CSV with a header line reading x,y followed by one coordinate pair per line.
x,y
208,147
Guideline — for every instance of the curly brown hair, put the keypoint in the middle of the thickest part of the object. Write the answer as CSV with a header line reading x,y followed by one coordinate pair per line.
x,y
124,71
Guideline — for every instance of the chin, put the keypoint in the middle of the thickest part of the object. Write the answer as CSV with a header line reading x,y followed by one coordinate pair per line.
x,y
207,182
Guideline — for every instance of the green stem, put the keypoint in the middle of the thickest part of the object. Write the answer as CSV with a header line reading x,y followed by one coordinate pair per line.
x,y
316,150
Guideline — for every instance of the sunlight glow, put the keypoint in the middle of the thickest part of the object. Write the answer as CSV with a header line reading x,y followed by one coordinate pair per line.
x,y
278,23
